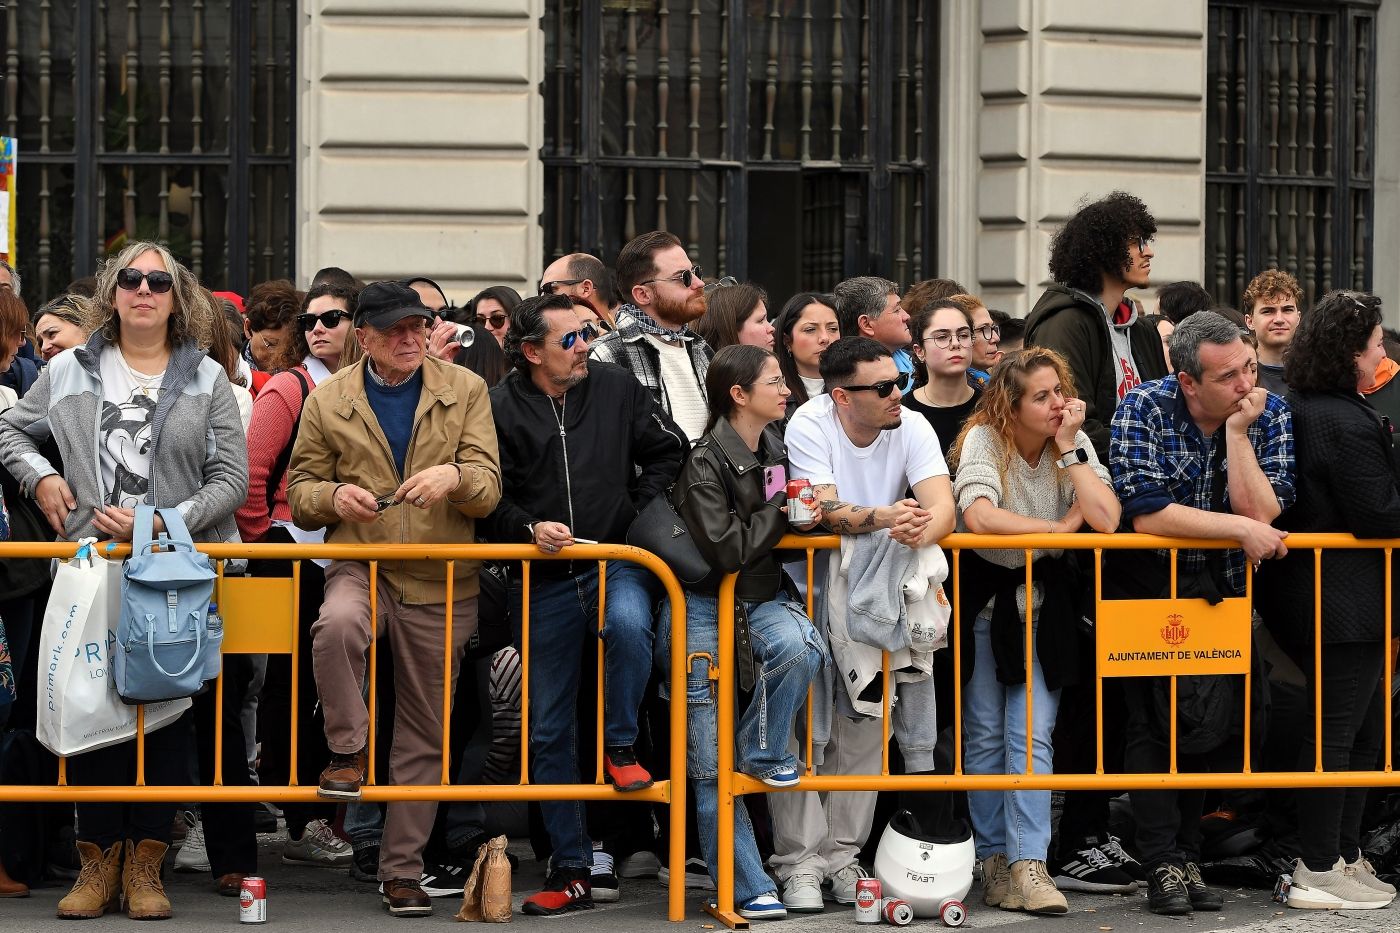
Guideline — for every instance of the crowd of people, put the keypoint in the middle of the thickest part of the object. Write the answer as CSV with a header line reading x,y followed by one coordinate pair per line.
x,y
381,414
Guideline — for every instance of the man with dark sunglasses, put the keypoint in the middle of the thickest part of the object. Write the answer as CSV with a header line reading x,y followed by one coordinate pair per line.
x,y
404,423
861,450
583,447
653,339
586,278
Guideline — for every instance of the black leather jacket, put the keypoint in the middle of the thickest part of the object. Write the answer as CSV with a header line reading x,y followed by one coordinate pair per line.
x,y
719,495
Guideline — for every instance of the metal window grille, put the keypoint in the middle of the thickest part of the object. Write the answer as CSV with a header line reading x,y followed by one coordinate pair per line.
x,y
786,141
1289,144
169,120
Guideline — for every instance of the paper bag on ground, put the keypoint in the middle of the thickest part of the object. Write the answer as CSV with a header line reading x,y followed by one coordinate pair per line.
x,y
486,896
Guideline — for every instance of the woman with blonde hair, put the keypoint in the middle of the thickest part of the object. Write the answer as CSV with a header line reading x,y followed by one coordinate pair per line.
x,y
1023,467
62,324
140,416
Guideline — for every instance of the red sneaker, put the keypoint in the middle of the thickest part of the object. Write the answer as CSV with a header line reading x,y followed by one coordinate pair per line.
x,y
622,771
564,890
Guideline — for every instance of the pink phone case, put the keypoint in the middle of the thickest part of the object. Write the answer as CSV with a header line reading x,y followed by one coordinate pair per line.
x,y
774,480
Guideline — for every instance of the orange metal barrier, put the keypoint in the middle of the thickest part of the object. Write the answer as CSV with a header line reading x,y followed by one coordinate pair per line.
x,y
260,617
1117,621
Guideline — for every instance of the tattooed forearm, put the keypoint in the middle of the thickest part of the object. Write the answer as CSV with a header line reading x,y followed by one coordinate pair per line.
x,y
833,505
869,520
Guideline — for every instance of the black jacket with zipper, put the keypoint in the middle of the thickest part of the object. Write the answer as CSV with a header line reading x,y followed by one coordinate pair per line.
x,y
591,461
719,495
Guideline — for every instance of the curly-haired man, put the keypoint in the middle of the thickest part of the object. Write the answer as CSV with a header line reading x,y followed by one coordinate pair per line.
x,y
1101,252
1273,303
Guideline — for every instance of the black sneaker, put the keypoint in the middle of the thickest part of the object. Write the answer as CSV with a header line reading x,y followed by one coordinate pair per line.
x,y
364,864
1120,857
602,877
1166,890
1202,897
442,879
1088,869
564,890
697,874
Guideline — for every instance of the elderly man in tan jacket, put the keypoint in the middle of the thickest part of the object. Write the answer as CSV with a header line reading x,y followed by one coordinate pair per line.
x,y
400,449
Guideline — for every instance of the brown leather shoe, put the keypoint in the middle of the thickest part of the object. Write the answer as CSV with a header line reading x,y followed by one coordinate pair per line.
x,y
405,898
230,885
343,776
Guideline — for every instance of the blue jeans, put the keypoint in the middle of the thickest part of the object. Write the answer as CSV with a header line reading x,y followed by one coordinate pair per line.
x,y
561,612
788,653
1016,822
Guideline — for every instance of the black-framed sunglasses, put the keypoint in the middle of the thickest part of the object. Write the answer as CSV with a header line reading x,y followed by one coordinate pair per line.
x,y
495,320
547,288
685,277
884,387
158,282
329,319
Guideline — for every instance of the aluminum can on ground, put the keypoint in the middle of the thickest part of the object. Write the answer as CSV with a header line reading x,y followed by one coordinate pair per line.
x,y
252,900
897,913
868,900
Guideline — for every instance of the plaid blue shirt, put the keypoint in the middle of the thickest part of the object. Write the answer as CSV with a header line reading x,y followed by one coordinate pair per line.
x,y
1157,456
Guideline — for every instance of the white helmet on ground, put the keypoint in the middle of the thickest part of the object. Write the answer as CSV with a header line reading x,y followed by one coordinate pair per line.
x,y
925,869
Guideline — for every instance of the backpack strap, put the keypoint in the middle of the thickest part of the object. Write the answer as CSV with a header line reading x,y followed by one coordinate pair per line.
x,y
175,526
143,528
284,459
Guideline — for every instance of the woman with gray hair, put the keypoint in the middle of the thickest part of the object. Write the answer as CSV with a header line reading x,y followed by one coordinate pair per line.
x,y
140,416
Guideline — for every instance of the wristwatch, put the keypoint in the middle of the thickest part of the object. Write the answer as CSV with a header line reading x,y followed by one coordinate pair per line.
x,y
1077,455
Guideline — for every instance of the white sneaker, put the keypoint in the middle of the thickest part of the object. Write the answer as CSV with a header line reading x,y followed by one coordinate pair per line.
x,y
843,883
1366,874
192,856
802,893
319,846
1337,889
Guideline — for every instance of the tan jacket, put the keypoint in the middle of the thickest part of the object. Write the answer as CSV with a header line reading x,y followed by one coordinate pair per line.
x,y
340,442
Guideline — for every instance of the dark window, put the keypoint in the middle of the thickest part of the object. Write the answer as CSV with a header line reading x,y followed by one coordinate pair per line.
x,y
786,141
1290,124
169,120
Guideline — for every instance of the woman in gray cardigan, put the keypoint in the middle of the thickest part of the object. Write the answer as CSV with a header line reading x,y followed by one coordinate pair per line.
x,y
140,415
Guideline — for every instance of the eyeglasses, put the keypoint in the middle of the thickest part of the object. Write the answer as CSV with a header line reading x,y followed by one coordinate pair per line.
x,y
495,320
777,382
726,282
943,339
328,319
882,389
547,288
1143,242
586,333
685,277
158,282
988,332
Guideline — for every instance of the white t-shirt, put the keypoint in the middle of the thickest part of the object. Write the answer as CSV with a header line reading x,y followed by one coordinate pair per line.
x,y
128,401
819,450
683,393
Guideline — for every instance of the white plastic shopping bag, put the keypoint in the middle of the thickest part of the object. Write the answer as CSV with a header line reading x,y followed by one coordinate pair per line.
x,y
79,709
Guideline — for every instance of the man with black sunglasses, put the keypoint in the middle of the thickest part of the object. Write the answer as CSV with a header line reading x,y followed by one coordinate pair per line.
x,y
653,338
583,447
861,450
586,278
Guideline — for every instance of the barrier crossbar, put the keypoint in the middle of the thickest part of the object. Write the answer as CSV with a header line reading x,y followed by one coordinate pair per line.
x,y
254,624
732,784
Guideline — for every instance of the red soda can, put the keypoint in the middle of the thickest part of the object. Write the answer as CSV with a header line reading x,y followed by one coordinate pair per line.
x,y
801,501
897,913
252,900
868,900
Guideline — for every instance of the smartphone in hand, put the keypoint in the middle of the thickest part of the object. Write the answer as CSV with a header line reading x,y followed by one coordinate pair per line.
x,y
774,481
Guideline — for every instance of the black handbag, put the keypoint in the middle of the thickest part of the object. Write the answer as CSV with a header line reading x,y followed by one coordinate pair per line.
x,y
658,529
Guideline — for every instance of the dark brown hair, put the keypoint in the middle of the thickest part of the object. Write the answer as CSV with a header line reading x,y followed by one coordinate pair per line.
x,y
726,310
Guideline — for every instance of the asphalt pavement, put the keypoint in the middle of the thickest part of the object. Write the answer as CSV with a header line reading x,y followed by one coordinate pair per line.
x,y
311,899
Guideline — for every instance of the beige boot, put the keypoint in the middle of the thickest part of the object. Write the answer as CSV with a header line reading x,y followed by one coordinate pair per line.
x,y
996,879
141,888
1033,890
97,889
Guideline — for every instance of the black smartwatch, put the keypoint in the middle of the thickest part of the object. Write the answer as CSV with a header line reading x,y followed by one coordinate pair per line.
x,y
1077,455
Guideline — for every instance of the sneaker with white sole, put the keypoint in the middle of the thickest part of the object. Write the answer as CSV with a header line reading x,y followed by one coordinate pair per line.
x,y
787,777
318,846
642,864
1337,889
697,875
192,857
441,879
802,893
843,883
602,877
1090,870
1366,874
1120,857
764,907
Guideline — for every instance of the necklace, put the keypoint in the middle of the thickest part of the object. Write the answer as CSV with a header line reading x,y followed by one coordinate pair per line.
x,y
143,382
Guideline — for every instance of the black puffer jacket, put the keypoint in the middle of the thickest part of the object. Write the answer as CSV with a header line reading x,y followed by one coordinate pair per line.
x,y
719,495
1348,481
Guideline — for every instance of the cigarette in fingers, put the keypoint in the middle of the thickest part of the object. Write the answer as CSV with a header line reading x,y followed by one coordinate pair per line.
x,y
578,540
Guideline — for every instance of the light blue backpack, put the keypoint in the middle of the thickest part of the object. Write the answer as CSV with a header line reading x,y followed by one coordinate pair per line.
x,y
167,639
